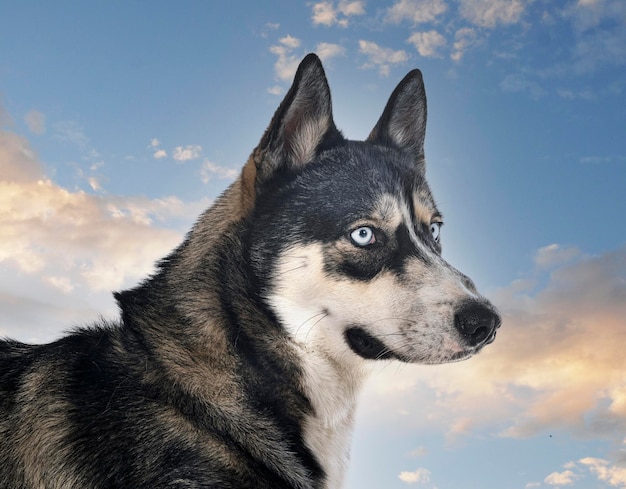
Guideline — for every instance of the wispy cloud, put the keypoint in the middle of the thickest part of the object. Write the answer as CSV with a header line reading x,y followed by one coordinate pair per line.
x,y
208,170
489,13
35,121
288,58
416,11
381,58
464,39
287,63
325,12
520,83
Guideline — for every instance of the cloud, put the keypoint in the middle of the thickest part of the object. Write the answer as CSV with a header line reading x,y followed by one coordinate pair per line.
x,y
554,255
26,167
276,90
418,476
327,51
287,63
381,58
325,13
565,478
515,83
72,240
604,471
601,469
598,160
489,13
417,11
209,169
464,39
557,362
599,29
35,121
418,452
186,153
427,43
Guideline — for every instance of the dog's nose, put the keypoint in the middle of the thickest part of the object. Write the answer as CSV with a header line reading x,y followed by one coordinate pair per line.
x,y
477,322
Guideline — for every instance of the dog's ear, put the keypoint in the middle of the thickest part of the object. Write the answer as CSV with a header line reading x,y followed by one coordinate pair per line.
x,y
300,125
403,123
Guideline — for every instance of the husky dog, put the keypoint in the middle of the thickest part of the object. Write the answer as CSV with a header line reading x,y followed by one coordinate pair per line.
x,y
238,364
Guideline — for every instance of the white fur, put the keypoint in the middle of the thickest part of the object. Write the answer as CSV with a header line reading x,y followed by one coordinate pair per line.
x,y
316,309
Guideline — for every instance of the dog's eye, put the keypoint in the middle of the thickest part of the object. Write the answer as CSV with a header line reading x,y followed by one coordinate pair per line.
x,y
435,230
363,236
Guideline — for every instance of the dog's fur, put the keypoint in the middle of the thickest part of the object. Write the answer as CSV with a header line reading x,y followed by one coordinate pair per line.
x,y
237,365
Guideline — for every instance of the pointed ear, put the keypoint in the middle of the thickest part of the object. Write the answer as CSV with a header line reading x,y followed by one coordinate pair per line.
x,y
403,123
302,122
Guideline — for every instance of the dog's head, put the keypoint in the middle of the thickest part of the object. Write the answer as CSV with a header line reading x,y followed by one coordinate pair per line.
x,y
345,237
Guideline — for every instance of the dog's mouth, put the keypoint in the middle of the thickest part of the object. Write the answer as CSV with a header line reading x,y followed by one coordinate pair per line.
x,y
370,348
365,345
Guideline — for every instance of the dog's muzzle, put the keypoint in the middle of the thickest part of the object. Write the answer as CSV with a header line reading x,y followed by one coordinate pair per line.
x,y
477,322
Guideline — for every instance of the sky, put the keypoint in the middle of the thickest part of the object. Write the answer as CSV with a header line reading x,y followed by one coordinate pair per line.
x,y
121,121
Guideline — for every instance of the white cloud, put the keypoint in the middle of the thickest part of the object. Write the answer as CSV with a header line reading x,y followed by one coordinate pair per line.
x,y
94,183
159,154
276,90
327,51
325,13
613,475
464,39
557,362
489,13
555,255
417,11
427,43
186,153
418,476
565,478
381,58
287,63
35,121
73,240
209,169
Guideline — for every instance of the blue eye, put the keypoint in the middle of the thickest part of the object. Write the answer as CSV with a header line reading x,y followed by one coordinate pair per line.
x,y
363,236
435,230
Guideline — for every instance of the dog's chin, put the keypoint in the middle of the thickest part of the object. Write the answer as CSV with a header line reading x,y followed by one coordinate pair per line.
x,y
369,347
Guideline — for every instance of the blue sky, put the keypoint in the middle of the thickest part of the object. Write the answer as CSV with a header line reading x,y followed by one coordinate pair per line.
x,y
121,121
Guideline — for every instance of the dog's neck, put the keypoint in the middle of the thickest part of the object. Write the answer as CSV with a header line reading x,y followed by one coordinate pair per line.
x,y
332,388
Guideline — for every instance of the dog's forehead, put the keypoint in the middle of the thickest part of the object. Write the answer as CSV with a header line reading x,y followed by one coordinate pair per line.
x,y
395,208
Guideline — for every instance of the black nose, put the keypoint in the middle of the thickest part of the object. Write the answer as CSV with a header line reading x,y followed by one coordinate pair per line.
x,y
477,322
